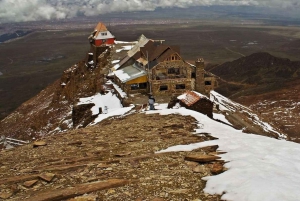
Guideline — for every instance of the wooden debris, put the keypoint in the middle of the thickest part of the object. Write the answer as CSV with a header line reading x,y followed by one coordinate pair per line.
x,y
201,158
29,184
77,143
16,179
47,176
62,194
123,154
39,143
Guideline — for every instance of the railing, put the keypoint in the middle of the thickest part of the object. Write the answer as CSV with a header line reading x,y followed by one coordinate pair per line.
x,y
10,142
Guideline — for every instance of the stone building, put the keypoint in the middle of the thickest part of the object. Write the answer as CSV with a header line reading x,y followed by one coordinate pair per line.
x,y
165,71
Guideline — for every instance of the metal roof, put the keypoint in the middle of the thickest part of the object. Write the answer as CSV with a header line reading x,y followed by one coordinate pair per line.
x,y
129,73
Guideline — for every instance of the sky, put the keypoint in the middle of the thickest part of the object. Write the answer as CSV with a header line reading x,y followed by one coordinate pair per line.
x,y
35,10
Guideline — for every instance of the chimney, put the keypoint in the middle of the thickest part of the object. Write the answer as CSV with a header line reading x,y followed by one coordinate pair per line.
x,y
199,82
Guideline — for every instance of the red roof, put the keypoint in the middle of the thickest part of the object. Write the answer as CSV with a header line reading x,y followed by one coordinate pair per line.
x,y
190,98
100,27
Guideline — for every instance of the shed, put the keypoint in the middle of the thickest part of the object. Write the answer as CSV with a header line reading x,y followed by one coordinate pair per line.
x,y
195,101
132,79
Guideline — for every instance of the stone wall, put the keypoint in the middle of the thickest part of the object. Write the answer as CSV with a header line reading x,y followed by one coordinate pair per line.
x,y
97,51
171,86
199,81
203,106
163,82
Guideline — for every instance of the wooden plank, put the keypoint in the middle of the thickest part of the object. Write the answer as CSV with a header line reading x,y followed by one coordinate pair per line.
x,y
62,194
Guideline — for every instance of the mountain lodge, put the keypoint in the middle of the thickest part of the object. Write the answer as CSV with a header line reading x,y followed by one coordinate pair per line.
x,y
151,67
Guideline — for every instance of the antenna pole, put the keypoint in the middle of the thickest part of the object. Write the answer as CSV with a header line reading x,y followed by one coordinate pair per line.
x,y
149,73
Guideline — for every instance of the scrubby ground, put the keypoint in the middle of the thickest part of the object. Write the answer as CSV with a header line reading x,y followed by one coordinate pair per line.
x,y
113,160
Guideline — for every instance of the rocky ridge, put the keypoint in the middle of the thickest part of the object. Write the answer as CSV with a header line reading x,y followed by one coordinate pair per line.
x,y
113,160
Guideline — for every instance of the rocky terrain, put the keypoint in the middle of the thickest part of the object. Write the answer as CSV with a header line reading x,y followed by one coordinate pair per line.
x,y
113,160
269,85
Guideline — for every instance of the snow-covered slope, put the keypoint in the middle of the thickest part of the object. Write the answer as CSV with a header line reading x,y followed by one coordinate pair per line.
x,y
228,105
259,167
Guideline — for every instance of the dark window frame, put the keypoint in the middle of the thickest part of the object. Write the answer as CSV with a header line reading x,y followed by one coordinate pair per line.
x,y
180,86
207,82
163,88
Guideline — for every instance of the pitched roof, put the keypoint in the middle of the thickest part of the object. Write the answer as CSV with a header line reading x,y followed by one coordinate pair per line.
x,y
141,43
166,54
189,98
102,28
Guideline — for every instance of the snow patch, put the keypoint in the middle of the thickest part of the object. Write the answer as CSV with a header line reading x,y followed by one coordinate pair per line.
x,y
109,100
259,168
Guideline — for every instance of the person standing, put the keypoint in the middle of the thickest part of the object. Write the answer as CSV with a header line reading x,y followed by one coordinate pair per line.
x,y
151,102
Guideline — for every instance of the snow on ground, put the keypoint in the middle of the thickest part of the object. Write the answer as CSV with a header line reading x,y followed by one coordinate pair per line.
x,y
221,117
119,90
226,104
115,61
126,47
110,100
111,113
259,168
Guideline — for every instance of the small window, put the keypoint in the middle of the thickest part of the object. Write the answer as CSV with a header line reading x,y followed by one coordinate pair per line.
x,y
103,40
134,87
207,82
173,71
104,34
163,88
180,86
138,86
143,85
193,75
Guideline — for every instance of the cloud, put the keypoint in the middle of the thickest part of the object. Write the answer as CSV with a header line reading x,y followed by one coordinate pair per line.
x,y
32,10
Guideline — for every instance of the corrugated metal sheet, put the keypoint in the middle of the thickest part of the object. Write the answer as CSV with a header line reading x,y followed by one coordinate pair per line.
x,y
129,73
189,98
141,43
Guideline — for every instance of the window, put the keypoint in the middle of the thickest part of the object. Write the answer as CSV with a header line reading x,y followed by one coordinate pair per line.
x,y
134,87
207,82
173,71
103,40
143,85
138,86
180,86
103,34
163,88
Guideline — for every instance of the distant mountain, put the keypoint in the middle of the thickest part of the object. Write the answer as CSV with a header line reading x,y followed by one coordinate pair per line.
x,y
255,74
267,84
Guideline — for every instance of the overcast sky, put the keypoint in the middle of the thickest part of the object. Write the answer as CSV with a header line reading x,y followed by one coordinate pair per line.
x,y
32,10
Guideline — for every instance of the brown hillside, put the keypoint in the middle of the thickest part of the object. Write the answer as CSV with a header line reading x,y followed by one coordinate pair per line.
x,y
51,110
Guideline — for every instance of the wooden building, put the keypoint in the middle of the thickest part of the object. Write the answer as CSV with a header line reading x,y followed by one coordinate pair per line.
x,y
101,36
